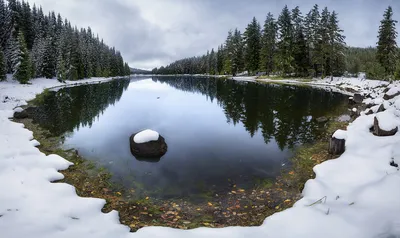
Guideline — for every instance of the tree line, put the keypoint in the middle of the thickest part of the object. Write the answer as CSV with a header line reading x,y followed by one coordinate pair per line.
x,y
296,45
246,103
33,44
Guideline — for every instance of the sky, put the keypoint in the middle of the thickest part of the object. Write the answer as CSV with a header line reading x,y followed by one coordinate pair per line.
x,y
153,33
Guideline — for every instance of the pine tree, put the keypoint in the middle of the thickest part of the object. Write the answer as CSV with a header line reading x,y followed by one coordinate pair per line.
x,y
300,52
213,62
228,53
337,61
23,68
313,38
268,49
387,47
285,44
252,41
2,66
220,59
237,53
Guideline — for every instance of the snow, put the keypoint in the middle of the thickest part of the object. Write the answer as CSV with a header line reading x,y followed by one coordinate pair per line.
x,y
354,109
146,136
355,195
392,91
387,120
340,134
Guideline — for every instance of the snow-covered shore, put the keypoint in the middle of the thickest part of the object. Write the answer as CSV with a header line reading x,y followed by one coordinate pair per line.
x,y
356,195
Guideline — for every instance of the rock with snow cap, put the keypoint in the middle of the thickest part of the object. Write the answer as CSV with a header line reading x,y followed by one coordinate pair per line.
x,y
148,144
385,124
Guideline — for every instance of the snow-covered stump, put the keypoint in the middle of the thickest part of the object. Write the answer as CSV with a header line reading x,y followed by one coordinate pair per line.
x,y
148,144
337,143
385,124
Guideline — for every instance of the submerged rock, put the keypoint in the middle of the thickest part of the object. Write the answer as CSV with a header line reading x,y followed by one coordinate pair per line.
x,y
322,119
358,98
23,114
148,144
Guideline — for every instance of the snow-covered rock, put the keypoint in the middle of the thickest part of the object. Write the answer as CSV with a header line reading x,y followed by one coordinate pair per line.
x,y
386,124
393,92
146,136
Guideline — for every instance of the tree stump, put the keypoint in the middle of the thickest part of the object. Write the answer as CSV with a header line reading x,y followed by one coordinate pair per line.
x,y
337,144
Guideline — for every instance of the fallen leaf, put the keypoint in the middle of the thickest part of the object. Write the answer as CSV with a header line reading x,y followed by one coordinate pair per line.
x,y
287,200
210,204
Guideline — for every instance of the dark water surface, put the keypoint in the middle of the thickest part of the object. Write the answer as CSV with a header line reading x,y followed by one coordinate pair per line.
x,y
219,132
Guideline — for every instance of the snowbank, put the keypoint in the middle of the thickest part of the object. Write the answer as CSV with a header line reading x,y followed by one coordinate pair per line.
x,y
146,136
356,195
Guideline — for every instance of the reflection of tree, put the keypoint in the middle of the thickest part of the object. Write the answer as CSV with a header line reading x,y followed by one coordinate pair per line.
x,y
279,112
71,108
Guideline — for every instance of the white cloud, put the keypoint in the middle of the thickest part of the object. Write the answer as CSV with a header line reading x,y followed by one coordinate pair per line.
x,y
152,33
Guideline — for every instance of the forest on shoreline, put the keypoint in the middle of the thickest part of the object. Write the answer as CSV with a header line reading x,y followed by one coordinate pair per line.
x,y
297,45
34,45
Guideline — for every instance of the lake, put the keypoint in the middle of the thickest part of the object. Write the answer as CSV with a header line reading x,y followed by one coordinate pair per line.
x,y
220,133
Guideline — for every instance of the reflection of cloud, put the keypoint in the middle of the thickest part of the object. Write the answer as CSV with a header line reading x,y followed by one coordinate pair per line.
x,y
152,33
148,84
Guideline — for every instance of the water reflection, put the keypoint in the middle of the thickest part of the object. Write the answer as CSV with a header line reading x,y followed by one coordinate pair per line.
x,y
284,113
219,132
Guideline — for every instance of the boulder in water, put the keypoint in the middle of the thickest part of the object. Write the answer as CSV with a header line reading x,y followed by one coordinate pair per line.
x,y
148,144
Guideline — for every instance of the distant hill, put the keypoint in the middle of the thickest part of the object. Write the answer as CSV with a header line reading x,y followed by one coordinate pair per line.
x,y
140,71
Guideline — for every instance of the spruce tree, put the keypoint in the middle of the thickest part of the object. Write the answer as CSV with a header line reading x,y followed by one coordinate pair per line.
x,y
268,48
300,52
387,47
220,59
337,61
228,53
313,38
285,44
252,41
23,68
2,66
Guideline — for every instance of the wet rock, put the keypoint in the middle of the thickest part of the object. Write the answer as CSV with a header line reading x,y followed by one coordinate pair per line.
x,y
21,115
370,112
358,98
381,108
322,119
394,164
390,96
27,113
380,132
148,150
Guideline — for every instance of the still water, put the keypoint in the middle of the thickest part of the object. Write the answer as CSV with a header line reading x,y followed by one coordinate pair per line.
x,y
219,132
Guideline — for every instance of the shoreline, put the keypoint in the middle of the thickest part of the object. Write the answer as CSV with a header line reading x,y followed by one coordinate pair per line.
x,y
113,224
255,204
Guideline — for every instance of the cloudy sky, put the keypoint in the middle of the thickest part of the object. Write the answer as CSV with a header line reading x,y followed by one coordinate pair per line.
x,y
151,33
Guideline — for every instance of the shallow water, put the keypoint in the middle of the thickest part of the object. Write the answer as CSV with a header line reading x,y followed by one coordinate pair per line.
x,y
219,132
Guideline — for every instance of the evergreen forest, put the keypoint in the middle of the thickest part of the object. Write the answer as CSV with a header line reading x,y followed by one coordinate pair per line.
x,y
34,44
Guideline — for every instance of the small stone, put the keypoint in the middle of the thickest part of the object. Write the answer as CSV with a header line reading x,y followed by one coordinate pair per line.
x,y
322,119
392,163
358,98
